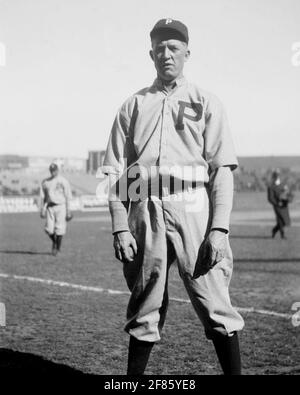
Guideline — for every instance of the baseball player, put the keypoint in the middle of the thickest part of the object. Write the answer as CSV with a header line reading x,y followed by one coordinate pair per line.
x,y
55,197
279,196
170,159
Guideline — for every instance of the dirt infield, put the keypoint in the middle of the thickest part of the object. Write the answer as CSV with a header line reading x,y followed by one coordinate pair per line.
x,y
82,329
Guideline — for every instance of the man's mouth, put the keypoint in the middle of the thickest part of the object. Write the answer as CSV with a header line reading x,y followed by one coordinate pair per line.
x,y
167,65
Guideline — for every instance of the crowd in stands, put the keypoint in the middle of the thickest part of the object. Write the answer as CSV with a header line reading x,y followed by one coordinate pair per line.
x,y
250,180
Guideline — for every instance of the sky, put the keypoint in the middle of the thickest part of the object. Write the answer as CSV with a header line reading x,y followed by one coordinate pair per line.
x,y
66,66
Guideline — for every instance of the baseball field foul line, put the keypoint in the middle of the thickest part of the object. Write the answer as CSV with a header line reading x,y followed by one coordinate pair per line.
x,y
116,292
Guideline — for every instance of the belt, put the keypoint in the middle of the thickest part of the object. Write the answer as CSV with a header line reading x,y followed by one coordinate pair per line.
x,y
160,188
50,204
172,187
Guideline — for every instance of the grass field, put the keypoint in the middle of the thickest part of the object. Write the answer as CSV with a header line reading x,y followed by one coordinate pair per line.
x,y
55,324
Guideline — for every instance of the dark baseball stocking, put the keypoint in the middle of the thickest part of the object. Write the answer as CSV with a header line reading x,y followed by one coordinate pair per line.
x,y
228,352
282,234
58,242
138,356
275,230
53,237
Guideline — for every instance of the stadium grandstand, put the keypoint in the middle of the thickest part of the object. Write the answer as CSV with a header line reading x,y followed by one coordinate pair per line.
x,y
21,176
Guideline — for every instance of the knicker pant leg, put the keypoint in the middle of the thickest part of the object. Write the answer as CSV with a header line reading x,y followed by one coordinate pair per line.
x,y
60,219
209,293
147,276
50,221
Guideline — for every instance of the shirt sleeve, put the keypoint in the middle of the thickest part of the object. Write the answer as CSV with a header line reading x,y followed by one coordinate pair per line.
x,y
272,198
68,192
116,150
115,164
222,197
218,145
42,197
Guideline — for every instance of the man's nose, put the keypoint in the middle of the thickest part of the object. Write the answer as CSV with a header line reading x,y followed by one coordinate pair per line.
x,y
166,53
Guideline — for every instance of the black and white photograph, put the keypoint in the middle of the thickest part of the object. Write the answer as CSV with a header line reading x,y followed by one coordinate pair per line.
x,y
149,190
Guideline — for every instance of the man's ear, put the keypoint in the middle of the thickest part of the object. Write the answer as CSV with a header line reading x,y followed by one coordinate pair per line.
x,y
187,55
151,54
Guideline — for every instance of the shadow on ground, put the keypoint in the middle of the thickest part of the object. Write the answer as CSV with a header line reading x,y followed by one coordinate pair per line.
x,y
266,260
24,252
249,237
11,360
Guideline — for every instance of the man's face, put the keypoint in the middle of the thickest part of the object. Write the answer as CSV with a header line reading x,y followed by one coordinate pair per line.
x,y
54,173
169,56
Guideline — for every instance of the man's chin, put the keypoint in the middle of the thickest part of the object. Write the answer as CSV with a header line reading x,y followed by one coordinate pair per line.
x,y
167,76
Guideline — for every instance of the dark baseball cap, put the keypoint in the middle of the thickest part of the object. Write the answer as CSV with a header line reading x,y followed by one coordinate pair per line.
x,y
170,26
276,172
53,167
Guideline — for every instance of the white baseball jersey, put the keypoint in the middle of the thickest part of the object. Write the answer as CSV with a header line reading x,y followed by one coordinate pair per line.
x,y
186,128
56,190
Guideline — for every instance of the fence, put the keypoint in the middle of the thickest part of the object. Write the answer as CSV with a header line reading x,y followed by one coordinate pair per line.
x,y
31,204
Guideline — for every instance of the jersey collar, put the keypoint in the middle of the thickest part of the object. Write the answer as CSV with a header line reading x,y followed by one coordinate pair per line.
x,y
158,83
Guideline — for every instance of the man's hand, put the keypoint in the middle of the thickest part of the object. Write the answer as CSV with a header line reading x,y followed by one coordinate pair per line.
x,y
217,240
211,252
125,246
43,213
69,216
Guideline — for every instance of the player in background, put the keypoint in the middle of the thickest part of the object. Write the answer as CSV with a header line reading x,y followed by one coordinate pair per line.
x,y
55,198
280,195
